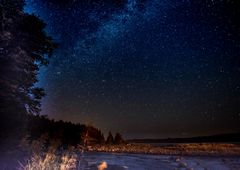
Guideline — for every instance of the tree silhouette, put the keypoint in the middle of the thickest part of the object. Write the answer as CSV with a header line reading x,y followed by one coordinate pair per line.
x,y
24,47
66,132
110,139
118,139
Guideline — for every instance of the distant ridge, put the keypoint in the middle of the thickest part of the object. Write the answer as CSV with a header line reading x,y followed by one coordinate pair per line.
x,y
230,137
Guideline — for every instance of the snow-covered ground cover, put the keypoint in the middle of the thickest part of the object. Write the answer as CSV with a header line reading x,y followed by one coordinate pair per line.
x,y
121,161
135,157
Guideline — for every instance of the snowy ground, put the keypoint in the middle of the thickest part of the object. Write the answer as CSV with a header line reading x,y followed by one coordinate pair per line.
x,y
120,161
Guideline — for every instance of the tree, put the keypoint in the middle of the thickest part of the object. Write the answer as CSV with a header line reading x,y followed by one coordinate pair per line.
x,y
118,139
110,139
91,136
24,47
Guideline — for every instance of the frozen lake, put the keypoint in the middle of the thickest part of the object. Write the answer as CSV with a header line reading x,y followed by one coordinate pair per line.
x,y
121,161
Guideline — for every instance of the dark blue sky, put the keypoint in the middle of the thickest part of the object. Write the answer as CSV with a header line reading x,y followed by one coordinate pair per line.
x,y
144,68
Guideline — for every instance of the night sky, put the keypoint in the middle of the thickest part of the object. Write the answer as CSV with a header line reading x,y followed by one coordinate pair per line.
x,y
146,69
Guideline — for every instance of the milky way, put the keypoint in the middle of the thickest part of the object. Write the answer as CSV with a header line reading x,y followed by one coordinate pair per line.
x,y
143,68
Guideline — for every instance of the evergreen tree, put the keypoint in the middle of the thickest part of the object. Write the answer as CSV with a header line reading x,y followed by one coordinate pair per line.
x,y
24,47
110,138
118,139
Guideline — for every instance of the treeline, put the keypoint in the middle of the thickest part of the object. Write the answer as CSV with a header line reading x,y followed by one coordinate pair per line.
x,y
67,133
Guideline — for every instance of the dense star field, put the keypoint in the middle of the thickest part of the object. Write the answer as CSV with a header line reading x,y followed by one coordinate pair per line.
x,y
147,69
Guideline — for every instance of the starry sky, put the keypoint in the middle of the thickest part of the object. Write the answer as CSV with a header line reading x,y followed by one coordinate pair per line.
x,y
144,68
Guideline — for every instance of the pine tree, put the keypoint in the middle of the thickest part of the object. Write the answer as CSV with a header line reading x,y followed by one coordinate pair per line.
x,y
110,139
24,47
118,139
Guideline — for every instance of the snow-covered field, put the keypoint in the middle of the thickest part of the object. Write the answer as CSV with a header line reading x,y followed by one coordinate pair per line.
x,y
121,161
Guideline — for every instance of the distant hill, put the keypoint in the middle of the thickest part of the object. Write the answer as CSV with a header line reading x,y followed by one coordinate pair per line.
x,y
231,137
